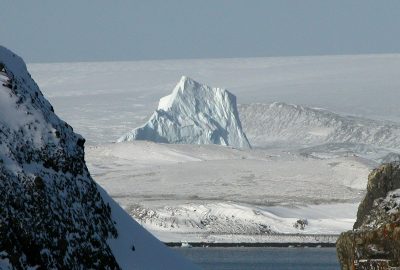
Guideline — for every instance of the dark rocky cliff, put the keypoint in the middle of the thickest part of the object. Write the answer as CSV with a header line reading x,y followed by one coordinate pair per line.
x,y
375,238
52,215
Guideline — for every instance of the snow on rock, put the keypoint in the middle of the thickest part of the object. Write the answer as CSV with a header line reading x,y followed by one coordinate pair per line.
x,y
271,124
194,114
376,232
52,213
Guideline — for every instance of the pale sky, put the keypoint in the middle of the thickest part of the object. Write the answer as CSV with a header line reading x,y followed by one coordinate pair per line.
x,y
113,30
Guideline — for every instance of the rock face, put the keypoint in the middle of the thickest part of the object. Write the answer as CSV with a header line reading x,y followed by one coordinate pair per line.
x,y
194,114
49,203
52,214
376,233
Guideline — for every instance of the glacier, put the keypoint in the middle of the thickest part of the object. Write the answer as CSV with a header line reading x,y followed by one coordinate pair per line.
x,y
194,114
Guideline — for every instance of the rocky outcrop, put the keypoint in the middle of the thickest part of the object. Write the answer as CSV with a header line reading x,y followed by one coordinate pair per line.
x,y
52,213
194,114
376,233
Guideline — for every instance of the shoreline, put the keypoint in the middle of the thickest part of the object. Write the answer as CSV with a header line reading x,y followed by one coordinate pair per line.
x,y
276,240
249,244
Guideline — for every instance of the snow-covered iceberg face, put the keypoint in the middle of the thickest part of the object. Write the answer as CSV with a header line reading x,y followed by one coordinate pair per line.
x,y
194,114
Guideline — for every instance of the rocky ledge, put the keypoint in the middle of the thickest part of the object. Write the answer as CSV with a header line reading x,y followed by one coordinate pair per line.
x,y
374,242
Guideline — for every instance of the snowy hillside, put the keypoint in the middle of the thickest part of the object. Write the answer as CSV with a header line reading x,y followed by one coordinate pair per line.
x,y
232,222
53,215
194,114
209,192
285,124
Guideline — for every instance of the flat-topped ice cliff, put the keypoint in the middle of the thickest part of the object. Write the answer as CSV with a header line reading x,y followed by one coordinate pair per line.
x,y
194,114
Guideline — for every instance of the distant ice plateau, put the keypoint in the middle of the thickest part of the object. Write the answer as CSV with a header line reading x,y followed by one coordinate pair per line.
x,y
103,100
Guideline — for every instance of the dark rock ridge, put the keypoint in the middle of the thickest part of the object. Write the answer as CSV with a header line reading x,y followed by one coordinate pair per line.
x,y
375,239
52,215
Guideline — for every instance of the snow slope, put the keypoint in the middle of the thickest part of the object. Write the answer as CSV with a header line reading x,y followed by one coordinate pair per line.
x,y
193,114
149,252
281,123
232,222
209,192
53,215
137,171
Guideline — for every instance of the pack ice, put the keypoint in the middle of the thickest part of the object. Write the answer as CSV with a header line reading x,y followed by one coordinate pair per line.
x,y
194,114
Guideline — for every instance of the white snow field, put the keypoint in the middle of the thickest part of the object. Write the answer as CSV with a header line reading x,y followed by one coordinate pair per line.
x,y
310,162
205,192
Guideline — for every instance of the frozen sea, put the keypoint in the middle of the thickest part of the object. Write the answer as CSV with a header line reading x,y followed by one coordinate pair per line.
x,y
262,258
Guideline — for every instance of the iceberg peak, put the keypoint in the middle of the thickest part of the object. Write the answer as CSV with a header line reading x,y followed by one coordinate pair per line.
x,y
185,81
194,113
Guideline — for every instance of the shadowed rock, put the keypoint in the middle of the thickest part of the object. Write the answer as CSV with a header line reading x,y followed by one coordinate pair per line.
x,y
375,239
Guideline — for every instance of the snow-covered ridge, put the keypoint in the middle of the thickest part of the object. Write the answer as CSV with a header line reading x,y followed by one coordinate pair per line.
x,y
268,124
227,218
53,215
194,114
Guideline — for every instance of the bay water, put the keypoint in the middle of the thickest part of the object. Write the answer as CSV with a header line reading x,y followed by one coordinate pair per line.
x,y
261,258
